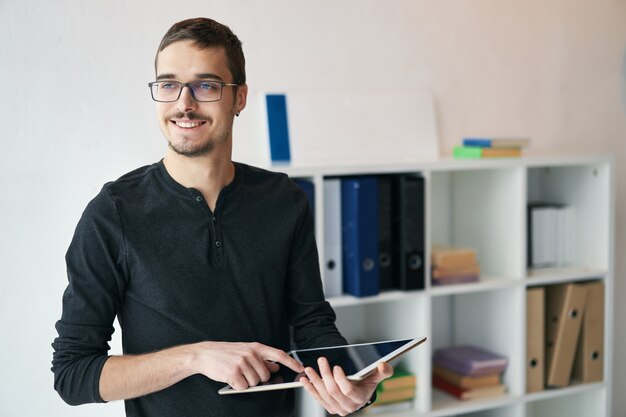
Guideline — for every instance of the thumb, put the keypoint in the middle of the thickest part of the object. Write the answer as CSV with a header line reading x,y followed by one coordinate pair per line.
x,y
384,370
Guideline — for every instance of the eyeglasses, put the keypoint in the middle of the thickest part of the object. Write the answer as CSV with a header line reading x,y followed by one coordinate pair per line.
x,y
201,90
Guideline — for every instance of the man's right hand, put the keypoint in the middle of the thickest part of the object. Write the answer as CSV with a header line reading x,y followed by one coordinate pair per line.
x,y
241,365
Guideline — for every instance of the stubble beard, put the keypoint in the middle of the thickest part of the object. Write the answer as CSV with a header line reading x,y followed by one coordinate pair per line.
x,y
188,150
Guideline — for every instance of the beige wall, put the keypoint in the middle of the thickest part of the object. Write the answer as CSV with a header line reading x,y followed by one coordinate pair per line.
x,y
549,70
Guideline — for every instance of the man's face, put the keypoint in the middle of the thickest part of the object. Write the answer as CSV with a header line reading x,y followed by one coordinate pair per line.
x,y
195,128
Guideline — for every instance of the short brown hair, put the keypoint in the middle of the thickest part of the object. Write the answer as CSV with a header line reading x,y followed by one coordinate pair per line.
x,y
207,33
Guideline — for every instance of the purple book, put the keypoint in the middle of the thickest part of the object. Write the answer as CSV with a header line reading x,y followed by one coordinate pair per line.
x,y
469,360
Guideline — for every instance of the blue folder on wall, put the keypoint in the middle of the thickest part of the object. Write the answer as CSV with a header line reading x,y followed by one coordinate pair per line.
x,y
359,220
278,125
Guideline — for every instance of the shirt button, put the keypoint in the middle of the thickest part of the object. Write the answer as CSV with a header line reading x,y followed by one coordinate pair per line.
x,y
199,198
214,219
218,243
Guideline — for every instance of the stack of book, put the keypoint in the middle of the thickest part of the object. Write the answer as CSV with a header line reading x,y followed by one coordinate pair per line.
x,y
452,265
490,148
468,372
395,393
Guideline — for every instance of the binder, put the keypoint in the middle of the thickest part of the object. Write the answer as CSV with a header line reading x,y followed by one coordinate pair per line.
x,y
589,362
535,316
565,305
542,235
548,242
408,197
359,219
309,189
385,232
332,279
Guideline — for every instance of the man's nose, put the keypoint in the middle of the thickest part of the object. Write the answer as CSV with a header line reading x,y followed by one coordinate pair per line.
x,y
186,102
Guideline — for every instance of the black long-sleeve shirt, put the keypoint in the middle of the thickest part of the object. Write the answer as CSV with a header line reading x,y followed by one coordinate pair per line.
x,y
151,252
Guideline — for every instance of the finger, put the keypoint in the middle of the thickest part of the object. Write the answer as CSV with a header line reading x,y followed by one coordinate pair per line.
x,y
308,386
238,382
345,385
354,396
334,395
383,371
313,384
257,368
329,379
280,356
251,374
315,379
272,366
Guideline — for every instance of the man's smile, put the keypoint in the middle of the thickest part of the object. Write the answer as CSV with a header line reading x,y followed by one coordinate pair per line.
x,y
188,124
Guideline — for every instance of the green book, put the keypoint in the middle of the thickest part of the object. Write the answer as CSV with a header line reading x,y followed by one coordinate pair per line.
x,y
476,152
467,152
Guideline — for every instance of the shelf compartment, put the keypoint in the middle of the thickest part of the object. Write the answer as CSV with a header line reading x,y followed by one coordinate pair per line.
x,y
580,400
548,276
384,297
573,389
491,320
384,321
481,209
501,406
486,283
403,318
586,191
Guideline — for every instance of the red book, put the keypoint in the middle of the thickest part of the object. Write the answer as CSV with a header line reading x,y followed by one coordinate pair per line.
x,y
468,394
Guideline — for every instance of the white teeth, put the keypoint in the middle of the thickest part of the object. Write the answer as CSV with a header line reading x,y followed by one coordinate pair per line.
x,y
187,124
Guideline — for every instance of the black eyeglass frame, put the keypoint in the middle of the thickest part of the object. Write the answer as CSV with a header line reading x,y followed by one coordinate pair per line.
x,y
188,85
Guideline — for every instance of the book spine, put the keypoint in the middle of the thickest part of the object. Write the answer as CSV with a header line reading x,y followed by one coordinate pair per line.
x,y
479,142
469,152
444,385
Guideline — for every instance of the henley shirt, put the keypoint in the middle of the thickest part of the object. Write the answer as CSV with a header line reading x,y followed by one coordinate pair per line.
x,y
150,251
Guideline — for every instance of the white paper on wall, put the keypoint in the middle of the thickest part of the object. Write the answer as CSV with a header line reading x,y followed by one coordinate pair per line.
x,y
334,128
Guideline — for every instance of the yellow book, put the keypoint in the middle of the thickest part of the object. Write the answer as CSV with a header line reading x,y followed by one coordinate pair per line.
x,y
400,379
471,269
452,257
395,395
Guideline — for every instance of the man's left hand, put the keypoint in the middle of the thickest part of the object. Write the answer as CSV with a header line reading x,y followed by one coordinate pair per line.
x,y
336,393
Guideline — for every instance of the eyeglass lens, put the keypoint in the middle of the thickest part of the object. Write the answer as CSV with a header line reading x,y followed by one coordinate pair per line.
x,y
201,90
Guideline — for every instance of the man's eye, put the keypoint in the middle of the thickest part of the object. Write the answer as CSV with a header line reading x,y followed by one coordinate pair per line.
x,y
167,86
207,86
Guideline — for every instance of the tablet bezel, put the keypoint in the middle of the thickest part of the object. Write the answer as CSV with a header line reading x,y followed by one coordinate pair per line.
x,y
363,373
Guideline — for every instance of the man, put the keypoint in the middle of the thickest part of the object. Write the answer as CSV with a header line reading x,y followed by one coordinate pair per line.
x,y
207,263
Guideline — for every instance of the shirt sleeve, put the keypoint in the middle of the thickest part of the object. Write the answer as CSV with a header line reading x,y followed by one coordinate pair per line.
x,y
96,265
311,316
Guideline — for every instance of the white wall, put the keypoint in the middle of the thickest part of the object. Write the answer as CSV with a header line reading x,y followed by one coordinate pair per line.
x,y
75,112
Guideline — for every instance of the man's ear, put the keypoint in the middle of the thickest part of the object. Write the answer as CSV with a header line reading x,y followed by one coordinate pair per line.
x,y
241,99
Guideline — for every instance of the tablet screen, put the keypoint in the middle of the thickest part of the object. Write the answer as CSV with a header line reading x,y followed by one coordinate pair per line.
x,y
351,358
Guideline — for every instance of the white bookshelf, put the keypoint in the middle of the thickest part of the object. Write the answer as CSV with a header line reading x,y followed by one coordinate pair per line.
x,y
483,204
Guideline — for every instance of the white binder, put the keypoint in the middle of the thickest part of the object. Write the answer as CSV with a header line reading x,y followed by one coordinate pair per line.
x,y
332,273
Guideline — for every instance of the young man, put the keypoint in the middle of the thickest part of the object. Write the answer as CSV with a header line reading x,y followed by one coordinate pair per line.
x,y
206,262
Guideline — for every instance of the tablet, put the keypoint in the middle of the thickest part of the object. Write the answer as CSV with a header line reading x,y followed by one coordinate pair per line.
x,y
357,361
